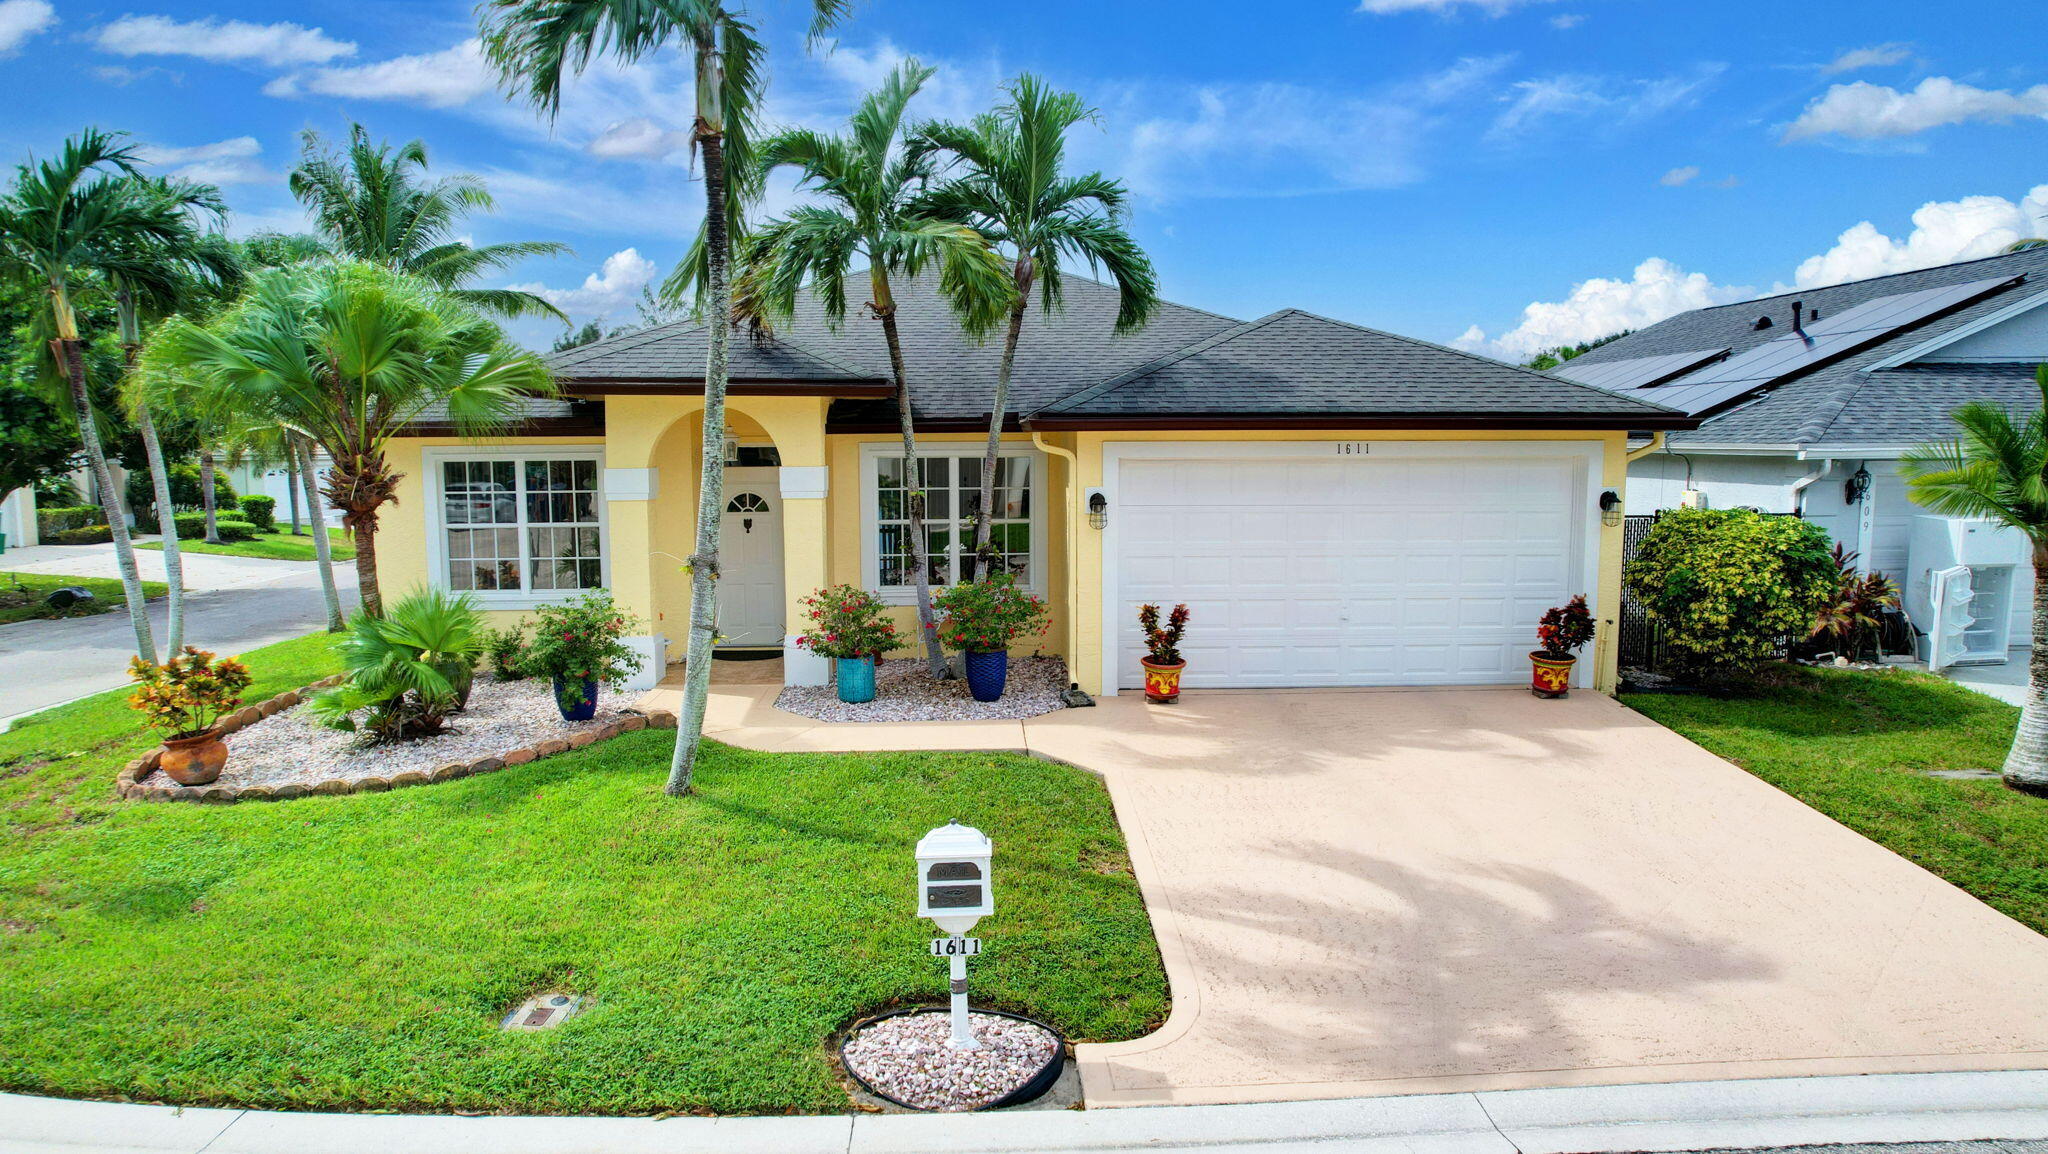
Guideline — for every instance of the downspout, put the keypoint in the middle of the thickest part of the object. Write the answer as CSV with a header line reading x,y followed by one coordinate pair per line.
x,y
1039,442
1799,487
1656,443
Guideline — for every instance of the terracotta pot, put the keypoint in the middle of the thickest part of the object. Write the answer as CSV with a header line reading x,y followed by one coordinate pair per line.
x,y
1162,682
1550,676
193,760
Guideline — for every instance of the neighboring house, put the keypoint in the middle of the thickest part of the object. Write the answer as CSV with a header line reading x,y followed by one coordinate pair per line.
x,y
273,482
1338,506
1810,415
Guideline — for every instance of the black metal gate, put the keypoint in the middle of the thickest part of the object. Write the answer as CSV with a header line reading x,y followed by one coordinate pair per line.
x,y
1639,644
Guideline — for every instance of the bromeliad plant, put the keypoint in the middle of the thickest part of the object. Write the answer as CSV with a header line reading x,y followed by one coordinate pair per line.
x,y
987,616
848,622
578,644
1851,617
189,693
409,669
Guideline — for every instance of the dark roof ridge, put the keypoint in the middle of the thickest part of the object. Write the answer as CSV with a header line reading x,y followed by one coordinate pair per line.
x,y
1082,396
1793,292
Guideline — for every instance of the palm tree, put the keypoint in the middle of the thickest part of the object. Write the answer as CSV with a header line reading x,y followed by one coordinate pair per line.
x,y
869,182
264,445
536,45
373,203
1013,189
346,355
1997,468
70,224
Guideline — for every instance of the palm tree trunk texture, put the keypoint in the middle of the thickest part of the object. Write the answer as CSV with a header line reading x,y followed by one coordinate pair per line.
x,y
913,483
984,547
70,354
364,529
206,494
323,548
167,525
291,484
2026,767
711,475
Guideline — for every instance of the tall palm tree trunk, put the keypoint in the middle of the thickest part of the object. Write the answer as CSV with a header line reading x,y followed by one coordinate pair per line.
x,y
323,548
913,480
2026,767
711,477
291,484
167,525
364,529
71,355
984,523
206,494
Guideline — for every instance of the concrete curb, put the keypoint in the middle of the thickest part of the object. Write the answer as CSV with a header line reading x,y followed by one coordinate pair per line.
x,y
1578,1120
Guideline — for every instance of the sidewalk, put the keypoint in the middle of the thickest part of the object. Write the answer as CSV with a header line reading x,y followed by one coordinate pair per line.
x,y
1683,1116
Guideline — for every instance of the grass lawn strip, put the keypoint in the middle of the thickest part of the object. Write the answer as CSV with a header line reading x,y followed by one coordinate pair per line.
x,y
21,596
1857,746
278,546
355,952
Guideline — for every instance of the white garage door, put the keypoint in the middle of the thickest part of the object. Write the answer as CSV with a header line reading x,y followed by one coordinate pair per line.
x,y
1377,569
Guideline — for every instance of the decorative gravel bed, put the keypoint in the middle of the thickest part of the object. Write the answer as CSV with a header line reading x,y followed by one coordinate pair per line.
x,y
290,748
905,1057
905,690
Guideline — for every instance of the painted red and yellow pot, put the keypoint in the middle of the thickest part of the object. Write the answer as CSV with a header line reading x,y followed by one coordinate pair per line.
x,y
1162,682
1550,676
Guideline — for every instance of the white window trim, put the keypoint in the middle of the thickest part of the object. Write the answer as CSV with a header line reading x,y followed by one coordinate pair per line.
x,y
437,535
871,456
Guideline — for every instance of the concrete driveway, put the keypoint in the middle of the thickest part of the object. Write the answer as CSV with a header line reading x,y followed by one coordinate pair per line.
x,y
1362,892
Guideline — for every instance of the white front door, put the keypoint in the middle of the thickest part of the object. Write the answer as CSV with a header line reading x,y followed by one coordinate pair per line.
x,y
750,600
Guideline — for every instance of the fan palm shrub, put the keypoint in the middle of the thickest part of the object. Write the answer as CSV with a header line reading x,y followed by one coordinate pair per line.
x,y
1996,467
408,670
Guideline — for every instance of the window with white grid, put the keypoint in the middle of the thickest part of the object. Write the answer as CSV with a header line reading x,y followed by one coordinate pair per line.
x,y
951,481
520,525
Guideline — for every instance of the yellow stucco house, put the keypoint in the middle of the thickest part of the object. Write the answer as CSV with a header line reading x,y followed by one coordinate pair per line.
x,y
1338,506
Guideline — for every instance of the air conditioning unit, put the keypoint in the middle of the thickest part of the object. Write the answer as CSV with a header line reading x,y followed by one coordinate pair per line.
x,y
1692,499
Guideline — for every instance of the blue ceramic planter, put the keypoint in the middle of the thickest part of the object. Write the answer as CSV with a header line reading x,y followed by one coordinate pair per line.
x,y
986,673
585,707
856,679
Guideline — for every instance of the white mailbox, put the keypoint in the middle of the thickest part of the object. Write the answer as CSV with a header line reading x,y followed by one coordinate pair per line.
x,y
953,885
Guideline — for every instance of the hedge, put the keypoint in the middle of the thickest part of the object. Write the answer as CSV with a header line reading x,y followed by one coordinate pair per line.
x,y
50,522
260,511
185,494
192,526
83,535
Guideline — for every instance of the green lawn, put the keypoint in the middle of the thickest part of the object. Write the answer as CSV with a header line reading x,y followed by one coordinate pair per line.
x,y
356,952
21,596
1856,747
278,546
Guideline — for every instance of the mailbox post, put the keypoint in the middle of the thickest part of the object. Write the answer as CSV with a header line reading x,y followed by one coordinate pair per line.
x,y
954,890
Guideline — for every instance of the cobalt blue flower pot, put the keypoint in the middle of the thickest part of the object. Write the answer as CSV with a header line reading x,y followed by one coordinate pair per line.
x,y
581,708
856,678
986,673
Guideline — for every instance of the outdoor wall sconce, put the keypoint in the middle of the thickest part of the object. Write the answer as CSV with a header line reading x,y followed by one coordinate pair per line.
x,y
731,452
1098,510
1610,508
1858,484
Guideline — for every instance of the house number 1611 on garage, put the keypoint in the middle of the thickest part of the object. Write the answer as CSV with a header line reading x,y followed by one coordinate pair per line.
x,y
1353,448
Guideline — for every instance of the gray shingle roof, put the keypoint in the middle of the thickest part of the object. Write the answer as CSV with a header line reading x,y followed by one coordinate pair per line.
x,y
676,352
1297,363
1844,402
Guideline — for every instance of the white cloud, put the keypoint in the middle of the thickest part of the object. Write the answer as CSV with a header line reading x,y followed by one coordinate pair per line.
x,y
277,45
1866,111
1944,231
613,287
1441,7
123,75
444,79
24,20
1602,306
1875,56
286,217
1566,21
1535,104
638,137
231,161
1684,174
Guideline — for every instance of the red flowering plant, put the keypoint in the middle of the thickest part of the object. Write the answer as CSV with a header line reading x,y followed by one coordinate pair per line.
x,y
987,616
579,641
1162,646
189,693
1565,629
848,622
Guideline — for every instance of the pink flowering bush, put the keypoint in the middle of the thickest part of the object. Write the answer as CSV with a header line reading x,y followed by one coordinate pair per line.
x,y
847,622
579,641
988,616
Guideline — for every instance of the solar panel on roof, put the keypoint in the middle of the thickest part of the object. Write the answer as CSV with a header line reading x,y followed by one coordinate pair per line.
x,y
1824,340
1636,372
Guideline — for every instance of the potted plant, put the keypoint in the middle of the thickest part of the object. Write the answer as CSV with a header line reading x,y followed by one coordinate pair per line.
x,y
409,669
184,699
1562,631
851,626
981,619
1162,660
577,645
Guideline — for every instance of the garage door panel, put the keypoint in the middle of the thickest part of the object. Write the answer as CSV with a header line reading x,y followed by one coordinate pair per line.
x,y
1388,572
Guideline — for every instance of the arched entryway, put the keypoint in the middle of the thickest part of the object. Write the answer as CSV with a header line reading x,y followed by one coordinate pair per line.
x,y
752,593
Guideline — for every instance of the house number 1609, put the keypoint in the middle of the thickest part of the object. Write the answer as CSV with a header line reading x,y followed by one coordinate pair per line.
x,y
1353,448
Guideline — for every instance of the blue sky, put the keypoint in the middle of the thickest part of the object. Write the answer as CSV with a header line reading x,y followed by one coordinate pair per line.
x,y
1506,174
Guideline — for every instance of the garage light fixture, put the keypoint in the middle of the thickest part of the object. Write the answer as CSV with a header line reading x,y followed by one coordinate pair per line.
x,y
1098,510
1854,489
1610,508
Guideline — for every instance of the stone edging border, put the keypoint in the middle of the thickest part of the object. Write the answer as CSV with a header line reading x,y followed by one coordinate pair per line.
x,y
129,781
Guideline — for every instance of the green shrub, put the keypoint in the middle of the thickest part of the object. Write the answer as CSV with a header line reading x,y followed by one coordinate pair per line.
x,y
192,527
505,649
52,521
83,535
409,669
185,494
260,510
1728,585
